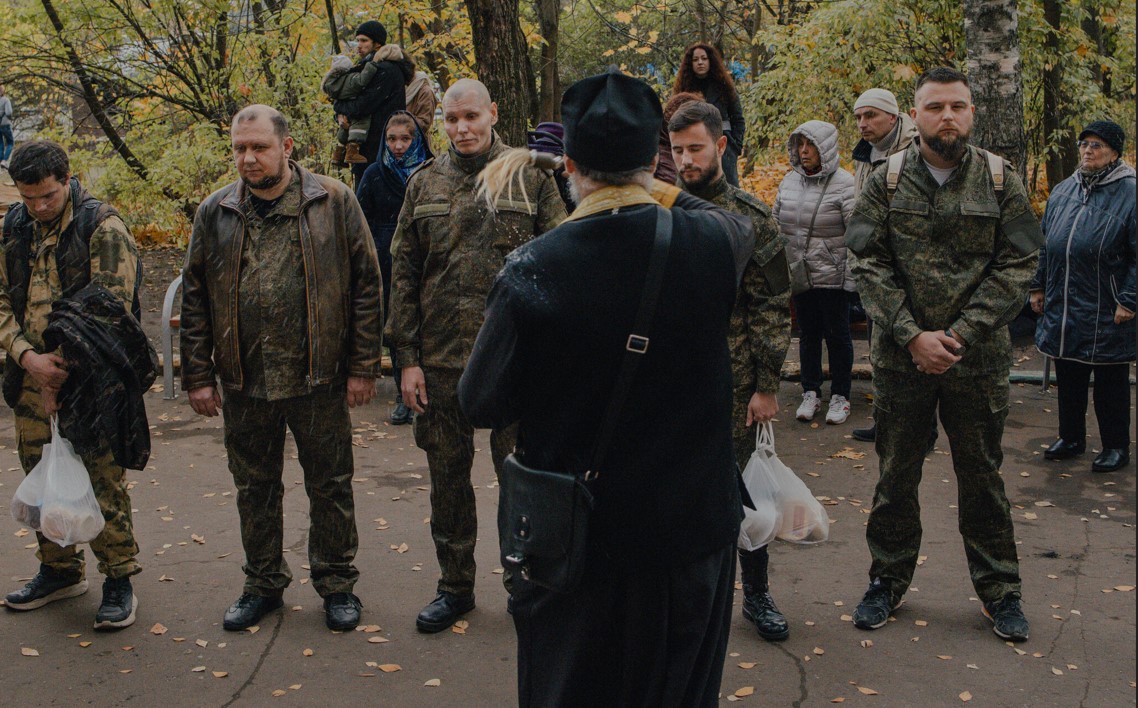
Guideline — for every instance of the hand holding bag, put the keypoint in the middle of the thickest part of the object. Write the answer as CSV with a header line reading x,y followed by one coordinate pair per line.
x,y
543,516
70,512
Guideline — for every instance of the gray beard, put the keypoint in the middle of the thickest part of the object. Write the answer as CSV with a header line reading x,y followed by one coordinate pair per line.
x,y
950,150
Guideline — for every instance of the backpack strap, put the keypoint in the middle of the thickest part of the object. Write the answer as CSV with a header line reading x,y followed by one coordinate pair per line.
x,y
894,165
996,169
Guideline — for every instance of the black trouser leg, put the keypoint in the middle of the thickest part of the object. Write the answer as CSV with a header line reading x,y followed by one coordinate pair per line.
x,y
1073,378
753,565
1112,404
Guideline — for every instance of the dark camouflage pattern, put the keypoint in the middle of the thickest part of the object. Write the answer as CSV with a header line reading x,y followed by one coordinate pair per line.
x,y
115,547
272,305
254,441
114,264
447,249
972,410
448,439
759,333
937,257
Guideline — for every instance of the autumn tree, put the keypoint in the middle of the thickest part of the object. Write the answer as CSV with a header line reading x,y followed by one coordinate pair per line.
x,y
992,37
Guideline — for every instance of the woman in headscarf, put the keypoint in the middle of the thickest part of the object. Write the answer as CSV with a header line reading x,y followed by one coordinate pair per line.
x,y
380,194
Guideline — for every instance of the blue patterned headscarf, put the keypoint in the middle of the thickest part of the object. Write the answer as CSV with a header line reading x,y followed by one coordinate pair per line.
x,y
415,155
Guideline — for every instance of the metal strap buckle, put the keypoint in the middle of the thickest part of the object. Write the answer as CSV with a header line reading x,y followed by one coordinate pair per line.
x,y
590,475
637,344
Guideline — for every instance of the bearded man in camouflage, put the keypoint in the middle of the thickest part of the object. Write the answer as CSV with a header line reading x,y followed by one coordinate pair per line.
x,y
59,239
946,245
760,321
448,247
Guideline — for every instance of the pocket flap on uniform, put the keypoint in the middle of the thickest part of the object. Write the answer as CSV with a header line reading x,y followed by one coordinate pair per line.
x,y
909,206
988,209
422,210
517,206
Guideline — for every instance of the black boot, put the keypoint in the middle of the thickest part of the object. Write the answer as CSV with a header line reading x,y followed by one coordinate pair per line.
x,y
758,605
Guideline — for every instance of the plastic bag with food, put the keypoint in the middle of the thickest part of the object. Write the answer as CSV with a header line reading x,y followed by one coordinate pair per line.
x,y
69,512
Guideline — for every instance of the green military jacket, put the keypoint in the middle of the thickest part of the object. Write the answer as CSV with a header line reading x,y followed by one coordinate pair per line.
x,y
759,332
447,249
933,257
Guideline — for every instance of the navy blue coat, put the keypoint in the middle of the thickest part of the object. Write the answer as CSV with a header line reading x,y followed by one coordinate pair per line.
x,y
1086,269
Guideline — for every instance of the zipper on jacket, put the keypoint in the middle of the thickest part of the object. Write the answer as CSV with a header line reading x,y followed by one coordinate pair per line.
x,y
1067,280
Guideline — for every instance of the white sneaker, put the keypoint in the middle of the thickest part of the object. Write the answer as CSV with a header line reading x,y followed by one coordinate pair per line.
x,y
839,410
810,405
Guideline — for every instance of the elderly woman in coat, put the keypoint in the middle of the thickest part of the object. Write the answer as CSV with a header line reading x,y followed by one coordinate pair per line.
x,y
814,203
1084,290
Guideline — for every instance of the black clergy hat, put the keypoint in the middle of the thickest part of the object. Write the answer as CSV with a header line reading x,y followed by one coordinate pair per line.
x,y
612,122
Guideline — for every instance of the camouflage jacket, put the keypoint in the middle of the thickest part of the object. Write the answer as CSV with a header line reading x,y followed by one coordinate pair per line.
x,y
447,249
933,257
113,265
759,333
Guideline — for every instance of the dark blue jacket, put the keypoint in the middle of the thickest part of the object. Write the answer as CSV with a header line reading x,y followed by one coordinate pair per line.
x,y
1086,269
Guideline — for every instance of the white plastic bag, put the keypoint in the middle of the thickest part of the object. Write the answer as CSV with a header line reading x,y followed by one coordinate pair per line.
x,y
28,498
761,523
69,513
803,518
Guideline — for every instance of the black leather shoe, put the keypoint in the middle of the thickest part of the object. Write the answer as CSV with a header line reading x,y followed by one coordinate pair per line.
x,y
759,609
865,434
443,611
1063,450
342,611
402,415
248,610
1111,459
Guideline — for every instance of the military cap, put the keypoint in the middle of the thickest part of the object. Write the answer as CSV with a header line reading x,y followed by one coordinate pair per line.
x,y
612,122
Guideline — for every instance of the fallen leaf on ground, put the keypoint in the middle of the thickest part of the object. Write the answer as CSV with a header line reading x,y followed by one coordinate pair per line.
x,y
839,699
865,690
220,674
125,671
74,636
744,692
254,629
85,644
279,692
1044,503
966,696
26,651
847,618
197,539
377,640
1072,667
371,628
848,453
747,664
1057,672
198,669
165,579
819,651
295,687
433,682
202,643
403,548
158,628
308,652
866,643
1030,515
944,657
1123,588
921,623
389,668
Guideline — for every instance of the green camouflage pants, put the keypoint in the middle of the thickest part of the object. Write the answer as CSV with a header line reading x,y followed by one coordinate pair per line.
x,y
254,441
972,410
115,546
448,439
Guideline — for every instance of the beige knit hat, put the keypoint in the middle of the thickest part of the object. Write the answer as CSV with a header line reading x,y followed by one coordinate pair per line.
x,y
878,98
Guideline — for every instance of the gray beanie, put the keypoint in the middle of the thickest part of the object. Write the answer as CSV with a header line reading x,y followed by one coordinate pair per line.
x,y
878,98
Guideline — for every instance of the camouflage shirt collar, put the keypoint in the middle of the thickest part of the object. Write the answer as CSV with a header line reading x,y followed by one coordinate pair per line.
x,y
611,199
287,205
474,164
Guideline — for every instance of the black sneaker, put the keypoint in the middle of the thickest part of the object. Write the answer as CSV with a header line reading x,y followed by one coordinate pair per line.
x,y
119,604
443,611
1007,618
874,609
865,434
402,415
48,586
248,610
342,611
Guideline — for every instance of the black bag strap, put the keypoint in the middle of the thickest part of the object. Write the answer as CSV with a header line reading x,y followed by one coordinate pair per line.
x,y
637,345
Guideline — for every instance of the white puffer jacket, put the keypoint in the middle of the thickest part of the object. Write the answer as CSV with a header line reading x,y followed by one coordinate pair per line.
x,y
827,259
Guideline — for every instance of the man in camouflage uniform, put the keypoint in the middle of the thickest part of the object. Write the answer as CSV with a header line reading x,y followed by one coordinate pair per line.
x,y
760,321
447,249
280,300
56,242
944,258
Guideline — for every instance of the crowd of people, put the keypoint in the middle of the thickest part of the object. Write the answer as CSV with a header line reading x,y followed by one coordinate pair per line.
x,y
516,293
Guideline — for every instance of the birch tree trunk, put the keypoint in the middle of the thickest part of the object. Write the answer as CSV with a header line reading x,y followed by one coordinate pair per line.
x,y
503,65
992,38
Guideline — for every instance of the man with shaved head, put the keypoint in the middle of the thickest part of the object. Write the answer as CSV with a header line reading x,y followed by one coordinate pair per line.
x,y
280,303
448,246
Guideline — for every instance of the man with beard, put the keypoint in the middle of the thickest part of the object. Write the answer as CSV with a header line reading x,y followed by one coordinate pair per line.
x,y
945,254
760,321
281,302
448,246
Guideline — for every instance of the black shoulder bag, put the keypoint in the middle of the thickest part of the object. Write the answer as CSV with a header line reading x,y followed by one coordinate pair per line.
x,y
543,516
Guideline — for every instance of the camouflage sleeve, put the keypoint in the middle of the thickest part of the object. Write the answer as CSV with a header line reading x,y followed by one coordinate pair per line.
x,y
407,256
366,339
867,237
1000,296
196,333
766,287
550,208
11,334
114,259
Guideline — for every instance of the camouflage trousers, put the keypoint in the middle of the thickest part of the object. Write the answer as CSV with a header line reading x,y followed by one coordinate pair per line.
x,y
115,547
742,437
448,439
972,410
254,441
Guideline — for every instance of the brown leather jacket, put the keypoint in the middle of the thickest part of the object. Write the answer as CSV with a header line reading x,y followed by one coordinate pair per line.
x,y
341,275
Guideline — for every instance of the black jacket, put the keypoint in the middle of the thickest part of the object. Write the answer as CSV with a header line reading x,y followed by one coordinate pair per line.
x,y
548,354
111,364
